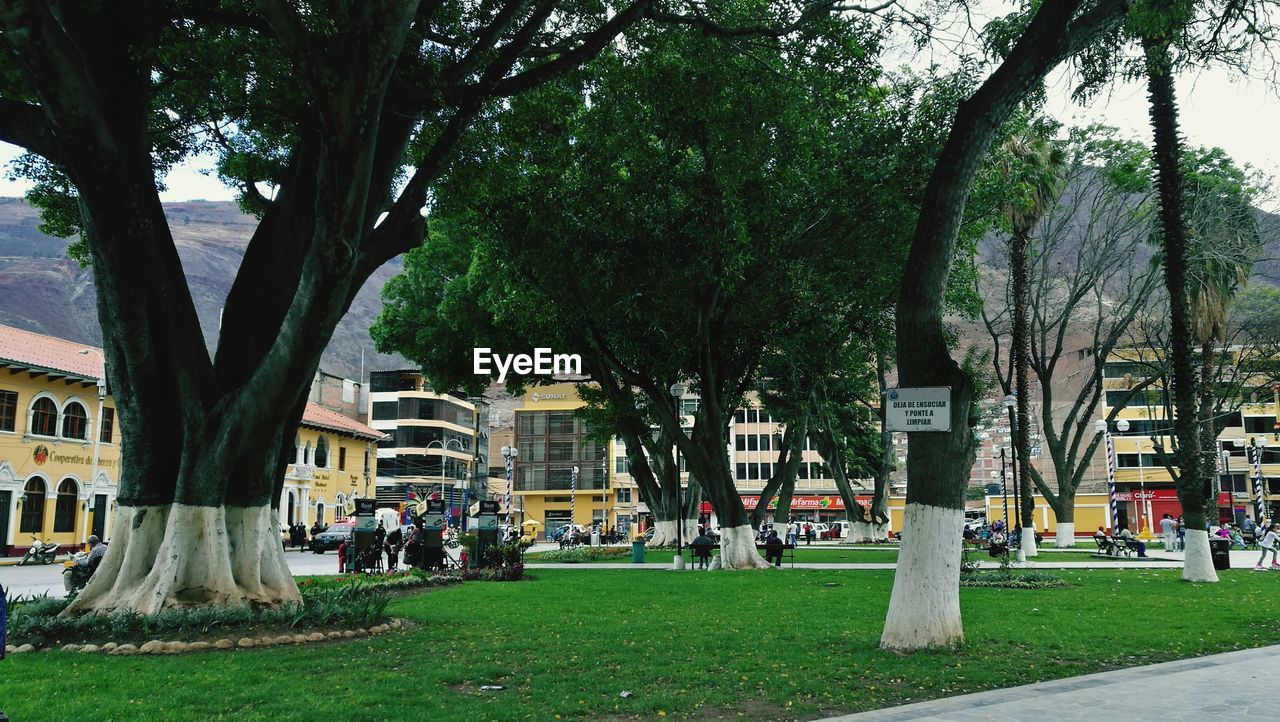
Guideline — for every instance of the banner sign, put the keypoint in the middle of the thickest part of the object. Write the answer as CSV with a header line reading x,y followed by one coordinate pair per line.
x,y
1161,495
834,503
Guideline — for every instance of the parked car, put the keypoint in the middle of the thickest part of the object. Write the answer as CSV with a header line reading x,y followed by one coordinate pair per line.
x,y
333,536
831,532
839,530
820,530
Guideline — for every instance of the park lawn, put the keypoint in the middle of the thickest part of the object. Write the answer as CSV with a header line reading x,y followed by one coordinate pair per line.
x,y
794,644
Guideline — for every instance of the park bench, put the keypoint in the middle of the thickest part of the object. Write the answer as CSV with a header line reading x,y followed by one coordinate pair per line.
x,y
788,551
1114,546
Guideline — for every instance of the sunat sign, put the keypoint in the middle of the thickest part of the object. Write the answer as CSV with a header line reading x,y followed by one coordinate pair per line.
x,y
922,409
541,363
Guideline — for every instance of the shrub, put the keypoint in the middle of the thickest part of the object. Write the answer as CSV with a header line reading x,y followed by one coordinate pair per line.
x,y
582,554
336,601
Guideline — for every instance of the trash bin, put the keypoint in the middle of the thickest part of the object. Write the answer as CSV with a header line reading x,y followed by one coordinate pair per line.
x,y
637,552
595,538
1220,550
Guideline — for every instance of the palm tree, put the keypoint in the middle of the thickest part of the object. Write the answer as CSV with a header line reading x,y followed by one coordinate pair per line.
x,y
1223,238
1034,168
1166,153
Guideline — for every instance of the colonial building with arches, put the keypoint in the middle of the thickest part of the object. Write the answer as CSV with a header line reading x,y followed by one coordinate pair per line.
x,y
60,454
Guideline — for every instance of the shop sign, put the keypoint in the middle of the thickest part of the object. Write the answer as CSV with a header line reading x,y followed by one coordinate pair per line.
x,y
805,502
927,408
1161,495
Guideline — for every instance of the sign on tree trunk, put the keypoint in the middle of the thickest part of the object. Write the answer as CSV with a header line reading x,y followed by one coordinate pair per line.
x,y
927,408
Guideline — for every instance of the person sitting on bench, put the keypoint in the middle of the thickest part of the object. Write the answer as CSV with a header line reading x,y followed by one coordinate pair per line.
x,y
702,548
1129,539
773,549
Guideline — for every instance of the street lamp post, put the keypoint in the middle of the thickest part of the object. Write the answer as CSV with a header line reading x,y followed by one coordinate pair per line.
x,y
444,444
1258,444
1004,492
509,454
677,391
1100,426
97,435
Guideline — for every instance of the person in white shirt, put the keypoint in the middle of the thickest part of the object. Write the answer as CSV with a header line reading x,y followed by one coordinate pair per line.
x,y
1167,526
1268,544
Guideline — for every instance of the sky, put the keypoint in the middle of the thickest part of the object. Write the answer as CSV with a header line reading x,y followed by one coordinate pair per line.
x,y
1241,116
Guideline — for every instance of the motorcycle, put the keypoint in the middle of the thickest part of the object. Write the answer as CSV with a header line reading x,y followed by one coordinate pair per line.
x,y
39,553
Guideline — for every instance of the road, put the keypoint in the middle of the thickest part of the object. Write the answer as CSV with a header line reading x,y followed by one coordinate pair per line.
x,y
48,578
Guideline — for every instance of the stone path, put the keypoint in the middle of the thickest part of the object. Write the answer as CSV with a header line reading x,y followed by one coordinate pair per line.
x,y
1234,685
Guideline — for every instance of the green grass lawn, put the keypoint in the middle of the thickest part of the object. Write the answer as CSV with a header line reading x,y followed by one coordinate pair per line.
x,y
771,645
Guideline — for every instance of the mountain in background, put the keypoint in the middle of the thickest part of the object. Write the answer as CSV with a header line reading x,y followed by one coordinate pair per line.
x,y
41,290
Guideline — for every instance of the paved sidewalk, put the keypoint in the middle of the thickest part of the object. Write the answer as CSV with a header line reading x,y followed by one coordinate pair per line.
x,y
1234,685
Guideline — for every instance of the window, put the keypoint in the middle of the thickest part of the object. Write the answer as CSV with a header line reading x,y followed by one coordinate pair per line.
x,y
741,471
561,422
532,423
1258,424
322,452
802,471
8,410
306,454
44,418
64,510
75,422
385,410
624,496
740,416
342,458
740,442
753,443
559,451
753,471
33,506
753,416
766,471
764,442
1117,370
108,425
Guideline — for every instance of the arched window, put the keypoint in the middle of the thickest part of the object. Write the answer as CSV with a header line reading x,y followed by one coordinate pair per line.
x,y
75,421
322,453
320,512
339,507
64,510
44,417
33,506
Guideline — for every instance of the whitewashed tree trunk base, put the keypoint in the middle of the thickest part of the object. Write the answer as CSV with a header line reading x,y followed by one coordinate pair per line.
x,y
1197,565
189,556
861,532
1066,535
924,607
780,528
879,532
664,533
1029,543
738,549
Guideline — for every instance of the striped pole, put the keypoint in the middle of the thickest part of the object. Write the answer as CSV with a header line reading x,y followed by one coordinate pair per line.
x,y
507,499
1260,502
1004,494
1111,477
573,489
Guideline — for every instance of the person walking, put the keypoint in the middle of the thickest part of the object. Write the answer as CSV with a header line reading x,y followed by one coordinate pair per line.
x,y
1268,544
793,533
1166,531
1181,531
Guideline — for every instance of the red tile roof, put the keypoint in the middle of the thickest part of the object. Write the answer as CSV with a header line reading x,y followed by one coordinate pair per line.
x,y
46,353
319,417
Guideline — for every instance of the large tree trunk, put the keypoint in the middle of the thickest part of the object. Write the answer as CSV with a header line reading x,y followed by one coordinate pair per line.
x,y
1065,513
709,464
1208,432
1019,261
1166,154
924,608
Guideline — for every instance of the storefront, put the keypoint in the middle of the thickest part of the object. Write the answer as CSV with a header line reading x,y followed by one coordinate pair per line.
x,y
827,508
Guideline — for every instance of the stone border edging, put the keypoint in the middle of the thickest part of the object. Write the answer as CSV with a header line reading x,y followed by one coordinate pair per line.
x,y
157,646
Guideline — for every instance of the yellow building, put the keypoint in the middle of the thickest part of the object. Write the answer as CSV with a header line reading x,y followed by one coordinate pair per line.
x,y
336,462
59,445
59,448
1145,485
